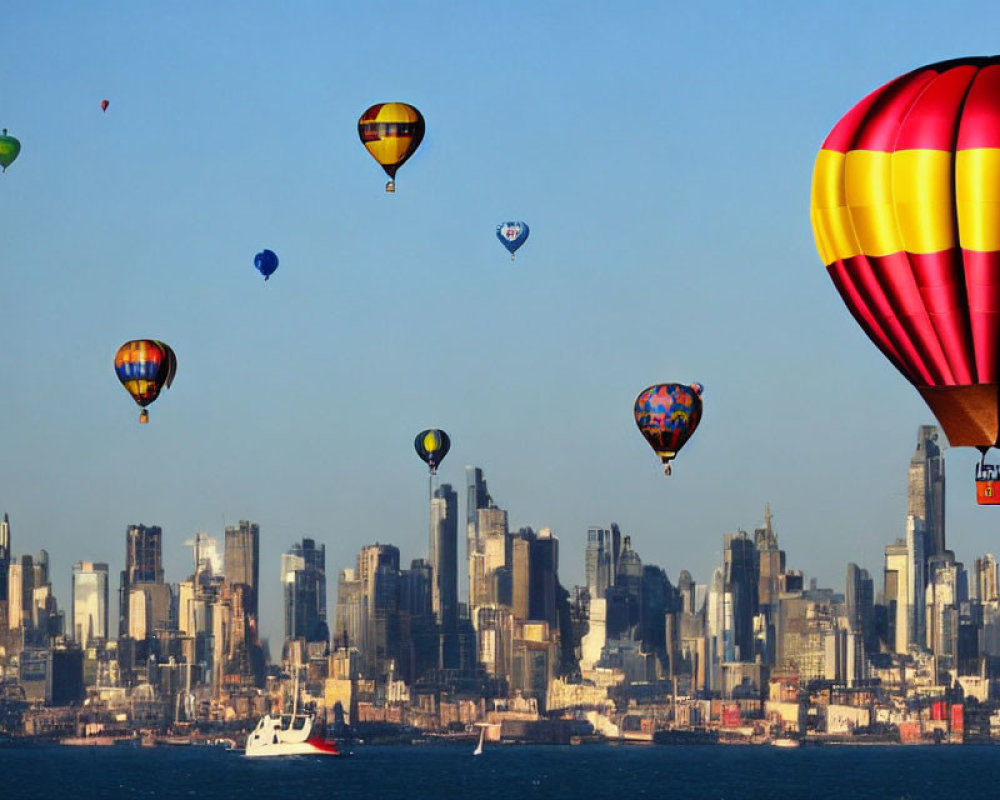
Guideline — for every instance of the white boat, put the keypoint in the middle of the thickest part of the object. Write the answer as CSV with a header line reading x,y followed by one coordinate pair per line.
x,y
288,735
479,747
785,741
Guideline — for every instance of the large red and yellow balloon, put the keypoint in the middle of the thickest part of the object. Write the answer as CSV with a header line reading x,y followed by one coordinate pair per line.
x,y
906,214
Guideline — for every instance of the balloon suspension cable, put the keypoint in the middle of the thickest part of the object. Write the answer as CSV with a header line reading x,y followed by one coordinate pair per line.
x,y
984,471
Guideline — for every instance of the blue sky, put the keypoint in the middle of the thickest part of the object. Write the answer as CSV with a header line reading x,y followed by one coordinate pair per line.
x,y
662,156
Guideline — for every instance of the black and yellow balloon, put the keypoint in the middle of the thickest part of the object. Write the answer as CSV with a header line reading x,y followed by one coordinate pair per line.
x,y
391,133
432,446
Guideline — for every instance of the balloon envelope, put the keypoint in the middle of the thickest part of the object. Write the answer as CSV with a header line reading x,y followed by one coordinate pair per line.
x,y
9,148
391,132
144,367
266,263
666,415
512,235
104,105
432,446
904,211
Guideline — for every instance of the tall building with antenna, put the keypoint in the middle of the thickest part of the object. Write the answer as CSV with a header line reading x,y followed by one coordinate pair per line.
x,y
925,489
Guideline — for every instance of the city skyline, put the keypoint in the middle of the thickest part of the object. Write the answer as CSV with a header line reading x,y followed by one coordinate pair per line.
x,y
679,249
145,552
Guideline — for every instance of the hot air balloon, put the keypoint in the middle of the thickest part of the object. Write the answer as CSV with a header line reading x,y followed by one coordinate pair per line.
x,y
512,235
144,367
905,198
266,263
9,148
667,414
104,105
432,446
391,132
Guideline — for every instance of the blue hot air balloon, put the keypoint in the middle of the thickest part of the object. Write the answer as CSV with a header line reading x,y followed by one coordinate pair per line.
x,y
266,263
512,235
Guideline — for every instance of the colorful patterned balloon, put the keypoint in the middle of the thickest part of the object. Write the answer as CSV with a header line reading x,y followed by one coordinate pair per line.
x,y
667,414
144,367
432,446
904,210
391,132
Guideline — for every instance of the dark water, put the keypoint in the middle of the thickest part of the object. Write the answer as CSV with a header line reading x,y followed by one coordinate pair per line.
x,y
523,773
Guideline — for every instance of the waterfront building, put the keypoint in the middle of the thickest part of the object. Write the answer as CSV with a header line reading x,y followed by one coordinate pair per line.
x,y
89,606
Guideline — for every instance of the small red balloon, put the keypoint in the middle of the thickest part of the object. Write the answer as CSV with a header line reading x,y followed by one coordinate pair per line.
x,y
104,105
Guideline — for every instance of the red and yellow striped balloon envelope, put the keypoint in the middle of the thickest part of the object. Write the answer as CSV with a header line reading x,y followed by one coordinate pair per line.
x,y
144,367
391,132
906,214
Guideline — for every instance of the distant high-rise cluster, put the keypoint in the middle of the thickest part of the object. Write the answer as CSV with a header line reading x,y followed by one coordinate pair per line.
x,y
756,632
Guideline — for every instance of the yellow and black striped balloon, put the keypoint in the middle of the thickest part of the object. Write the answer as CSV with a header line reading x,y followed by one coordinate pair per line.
x,y
432,446
391,132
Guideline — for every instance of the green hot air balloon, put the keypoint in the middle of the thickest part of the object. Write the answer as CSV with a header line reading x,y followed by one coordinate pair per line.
x,y
9,148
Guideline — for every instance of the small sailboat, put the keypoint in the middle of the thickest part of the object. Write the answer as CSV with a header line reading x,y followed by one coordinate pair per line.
x,y
479,747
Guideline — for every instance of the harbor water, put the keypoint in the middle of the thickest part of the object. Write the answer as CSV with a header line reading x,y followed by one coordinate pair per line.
x,y
520,772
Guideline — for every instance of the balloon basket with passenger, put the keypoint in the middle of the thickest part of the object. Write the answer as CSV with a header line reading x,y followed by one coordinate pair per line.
x,y
987,482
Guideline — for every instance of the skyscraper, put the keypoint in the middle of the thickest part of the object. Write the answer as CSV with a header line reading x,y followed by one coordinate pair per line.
x,y
897,580
4,558
89,608
860,599
444,556
986,583
916,542
303,578
349,619
741,596
242,562
925,489
143,565
476,497
603,551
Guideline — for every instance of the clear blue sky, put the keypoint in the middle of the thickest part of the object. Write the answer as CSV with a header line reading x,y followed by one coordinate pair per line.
x,y
662,155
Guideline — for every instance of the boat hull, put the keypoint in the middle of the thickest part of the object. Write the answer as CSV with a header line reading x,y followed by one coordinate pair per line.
x,y
310,748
